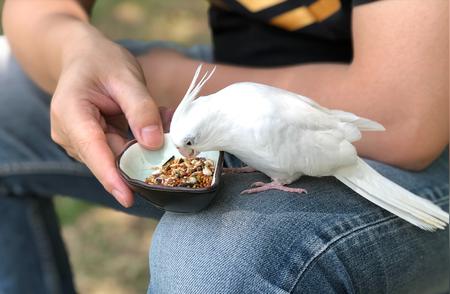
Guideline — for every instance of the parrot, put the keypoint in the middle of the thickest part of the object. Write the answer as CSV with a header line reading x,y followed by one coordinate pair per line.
x,y
286,136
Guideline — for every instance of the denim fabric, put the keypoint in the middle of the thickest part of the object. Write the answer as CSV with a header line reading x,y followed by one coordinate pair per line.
x,y
32,170
328,241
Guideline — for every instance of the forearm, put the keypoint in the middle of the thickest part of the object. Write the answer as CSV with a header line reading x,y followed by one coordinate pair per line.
x,y
350,87
41,33
415,122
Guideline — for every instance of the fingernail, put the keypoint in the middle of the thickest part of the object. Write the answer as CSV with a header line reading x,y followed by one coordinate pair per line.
x,y
152,136
121,197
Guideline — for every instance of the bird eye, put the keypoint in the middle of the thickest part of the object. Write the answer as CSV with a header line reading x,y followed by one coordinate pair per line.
x,y
189,143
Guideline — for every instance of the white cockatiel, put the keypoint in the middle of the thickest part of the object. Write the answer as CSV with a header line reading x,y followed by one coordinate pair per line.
x,y
285,135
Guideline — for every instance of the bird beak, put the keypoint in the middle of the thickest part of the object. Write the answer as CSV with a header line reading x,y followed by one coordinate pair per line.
x,y
187,152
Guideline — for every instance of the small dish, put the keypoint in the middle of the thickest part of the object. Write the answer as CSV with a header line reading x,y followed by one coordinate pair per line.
x,y
135,165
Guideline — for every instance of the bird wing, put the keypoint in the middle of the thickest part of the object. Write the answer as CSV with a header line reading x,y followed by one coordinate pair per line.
x,y
255,94
363,124
285,135
277,133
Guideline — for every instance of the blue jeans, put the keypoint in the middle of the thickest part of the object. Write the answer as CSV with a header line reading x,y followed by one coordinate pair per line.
x,y
327,241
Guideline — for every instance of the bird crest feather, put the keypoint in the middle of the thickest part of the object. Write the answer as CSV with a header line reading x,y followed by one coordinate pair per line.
x,y
192,92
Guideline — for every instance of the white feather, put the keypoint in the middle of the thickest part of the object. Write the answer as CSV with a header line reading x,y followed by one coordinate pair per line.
x,y
286,135
374,187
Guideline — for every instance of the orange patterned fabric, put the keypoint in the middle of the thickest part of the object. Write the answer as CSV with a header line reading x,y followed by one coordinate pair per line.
x,y
277,32
287,14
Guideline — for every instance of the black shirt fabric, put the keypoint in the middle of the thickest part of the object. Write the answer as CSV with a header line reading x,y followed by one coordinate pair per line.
x,y
282,32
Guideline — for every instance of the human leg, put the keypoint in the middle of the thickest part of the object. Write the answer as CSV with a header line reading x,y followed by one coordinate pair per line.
x,y
330,240
32,170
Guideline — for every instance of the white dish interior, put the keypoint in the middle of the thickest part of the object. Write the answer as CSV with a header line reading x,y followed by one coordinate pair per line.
x,y
137,162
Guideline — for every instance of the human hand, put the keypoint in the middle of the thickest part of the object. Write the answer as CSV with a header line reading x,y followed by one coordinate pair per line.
x,y
102,90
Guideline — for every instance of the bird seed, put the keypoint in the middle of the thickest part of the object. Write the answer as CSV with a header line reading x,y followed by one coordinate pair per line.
x,y
184,172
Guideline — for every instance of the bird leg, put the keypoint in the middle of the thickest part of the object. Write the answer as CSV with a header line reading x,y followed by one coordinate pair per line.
x,y
238,170
260,187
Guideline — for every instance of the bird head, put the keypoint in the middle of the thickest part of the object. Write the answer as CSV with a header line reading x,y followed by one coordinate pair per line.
x,y
189,129
186,144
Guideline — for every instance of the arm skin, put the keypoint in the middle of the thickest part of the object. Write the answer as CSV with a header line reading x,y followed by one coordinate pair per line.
x,y
50,28
399,77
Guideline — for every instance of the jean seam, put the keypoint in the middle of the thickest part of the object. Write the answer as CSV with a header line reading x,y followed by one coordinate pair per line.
x,y
351,233
433,192
44,252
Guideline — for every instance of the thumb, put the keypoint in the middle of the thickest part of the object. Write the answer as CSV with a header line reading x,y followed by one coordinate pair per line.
x,y
141,112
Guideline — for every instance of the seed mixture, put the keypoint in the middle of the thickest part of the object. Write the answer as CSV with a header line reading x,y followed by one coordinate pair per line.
x,y
184,172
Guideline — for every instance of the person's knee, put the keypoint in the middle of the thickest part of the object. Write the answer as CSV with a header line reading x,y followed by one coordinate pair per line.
x,y
210,253
248,253
382,256
14,81
238,251
24,111
275,242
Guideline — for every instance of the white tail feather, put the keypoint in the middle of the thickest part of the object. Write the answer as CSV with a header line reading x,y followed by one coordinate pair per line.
x,y
364,180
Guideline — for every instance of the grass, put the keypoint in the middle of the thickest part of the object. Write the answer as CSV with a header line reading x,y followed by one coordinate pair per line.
x,y
175,20
107,260
109,251
70,209
181,21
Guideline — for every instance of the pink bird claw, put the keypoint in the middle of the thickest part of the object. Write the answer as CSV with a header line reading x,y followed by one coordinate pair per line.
x,y
294,190
248,191
257,184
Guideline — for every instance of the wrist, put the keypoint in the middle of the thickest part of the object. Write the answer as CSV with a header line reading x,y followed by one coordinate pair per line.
x,y
82,39
64,36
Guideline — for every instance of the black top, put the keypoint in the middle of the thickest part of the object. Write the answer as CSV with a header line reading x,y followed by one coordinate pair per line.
x,y
282,32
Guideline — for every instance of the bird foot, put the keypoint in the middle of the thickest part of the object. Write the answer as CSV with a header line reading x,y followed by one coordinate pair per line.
x,y
238,170
260,187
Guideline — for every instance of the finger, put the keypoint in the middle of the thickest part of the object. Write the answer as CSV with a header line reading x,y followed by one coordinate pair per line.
x,y
141,112
89,140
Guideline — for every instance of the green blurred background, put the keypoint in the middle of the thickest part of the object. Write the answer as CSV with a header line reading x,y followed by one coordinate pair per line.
x,y
115,260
